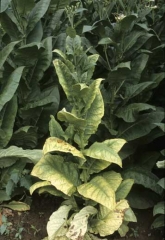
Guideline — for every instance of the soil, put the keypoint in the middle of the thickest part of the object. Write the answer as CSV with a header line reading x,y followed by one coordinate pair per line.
x,y
32,224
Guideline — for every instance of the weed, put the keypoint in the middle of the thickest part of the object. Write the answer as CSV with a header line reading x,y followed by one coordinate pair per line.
x,y
35,229
6,226
18,235
135,232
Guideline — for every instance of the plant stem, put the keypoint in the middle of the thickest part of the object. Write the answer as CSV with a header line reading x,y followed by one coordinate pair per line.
x,y
106,56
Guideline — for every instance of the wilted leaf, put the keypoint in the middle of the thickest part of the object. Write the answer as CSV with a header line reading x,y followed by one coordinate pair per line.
x,y
79,225
106,151
17,206
54,144
68,117
57,221
108,224
64,176
99,190
39,185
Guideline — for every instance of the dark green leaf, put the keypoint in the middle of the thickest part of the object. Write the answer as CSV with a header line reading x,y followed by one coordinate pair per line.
x,y
10,27
143,177
4,5
6,130
11,86
36,14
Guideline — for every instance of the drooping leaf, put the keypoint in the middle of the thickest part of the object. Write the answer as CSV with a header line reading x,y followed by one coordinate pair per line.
x,y
17,206
158,222
79,225
25,137
109,223
11,86
16,152
4,53
36,14
8,120
130,112
133,90
70,118
39,185
52,191
4,5
144,177
57,224
141,127
161,183
54,144
106,151
159,208
124,189
99,190
64,176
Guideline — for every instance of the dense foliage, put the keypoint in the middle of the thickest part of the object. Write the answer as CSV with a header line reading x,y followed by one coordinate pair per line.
x,y
102,105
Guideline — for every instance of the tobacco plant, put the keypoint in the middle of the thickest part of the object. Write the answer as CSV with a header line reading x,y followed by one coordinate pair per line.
x,y
74,166
29,30
129,37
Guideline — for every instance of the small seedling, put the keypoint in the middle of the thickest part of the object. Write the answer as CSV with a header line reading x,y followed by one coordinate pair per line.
x,y
135,232
18,235
35,229
41,214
